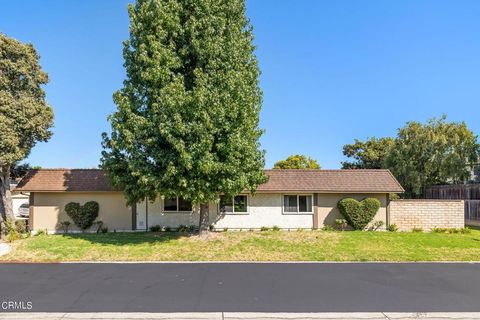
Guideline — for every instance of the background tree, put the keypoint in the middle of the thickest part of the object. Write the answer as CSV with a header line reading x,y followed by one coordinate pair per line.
x,y
188,114
297,161
19,170
370,154
437,152
25,117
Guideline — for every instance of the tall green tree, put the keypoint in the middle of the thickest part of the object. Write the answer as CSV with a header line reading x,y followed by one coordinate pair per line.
x,y
370,154
188,113
25,117
297,161
437,152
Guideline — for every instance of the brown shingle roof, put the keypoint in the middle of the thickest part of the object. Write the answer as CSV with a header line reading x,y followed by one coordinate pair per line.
x,y
346,181
353,181
65,180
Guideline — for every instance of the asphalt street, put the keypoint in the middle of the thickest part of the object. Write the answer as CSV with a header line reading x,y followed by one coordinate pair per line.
x,y
241,287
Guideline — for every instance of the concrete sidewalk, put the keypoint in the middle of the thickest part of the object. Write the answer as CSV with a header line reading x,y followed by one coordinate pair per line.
x,y
241,316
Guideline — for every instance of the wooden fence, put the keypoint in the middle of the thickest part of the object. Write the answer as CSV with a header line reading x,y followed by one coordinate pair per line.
x,y
468,192
472,210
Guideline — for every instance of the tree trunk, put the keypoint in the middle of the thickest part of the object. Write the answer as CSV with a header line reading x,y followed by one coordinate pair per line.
x,y
203,228
6,212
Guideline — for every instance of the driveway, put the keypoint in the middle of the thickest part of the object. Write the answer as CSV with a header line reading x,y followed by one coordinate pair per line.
x,y
241,287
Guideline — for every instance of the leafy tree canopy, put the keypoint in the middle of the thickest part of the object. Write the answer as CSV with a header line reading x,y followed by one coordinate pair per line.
x,y
25,117
437,152
297,161
370,154
188,113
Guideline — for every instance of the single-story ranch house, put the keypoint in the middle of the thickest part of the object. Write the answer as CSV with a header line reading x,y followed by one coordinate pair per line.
x,y
291,199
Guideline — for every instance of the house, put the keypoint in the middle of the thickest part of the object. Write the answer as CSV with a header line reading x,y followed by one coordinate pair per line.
x,y
291,199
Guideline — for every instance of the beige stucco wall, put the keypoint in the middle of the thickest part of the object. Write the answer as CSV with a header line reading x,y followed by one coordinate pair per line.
x,y
328,211
48,209
427,214
264,210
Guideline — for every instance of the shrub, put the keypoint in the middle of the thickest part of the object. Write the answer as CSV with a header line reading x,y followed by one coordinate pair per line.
x,y
13,235
9,225
42,233
99,225
225,229
21,226
104,229
65,226
392,227
182,228
377,225
415,229
465,230
168,229
451,230
192,228
327,228
155,228
82,216
341,223
264,228
359,213
276,228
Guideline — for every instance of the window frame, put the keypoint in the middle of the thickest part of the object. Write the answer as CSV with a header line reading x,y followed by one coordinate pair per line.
x,y
298,195
233,206
178,207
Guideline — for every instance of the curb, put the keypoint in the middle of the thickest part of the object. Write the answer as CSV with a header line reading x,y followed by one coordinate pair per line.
x,y
4,249
252,262
240,316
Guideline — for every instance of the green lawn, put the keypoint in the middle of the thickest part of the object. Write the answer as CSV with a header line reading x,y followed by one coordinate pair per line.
x,y
251,246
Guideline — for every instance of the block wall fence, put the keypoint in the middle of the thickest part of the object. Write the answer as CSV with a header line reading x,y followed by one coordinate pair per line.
x,y
427,214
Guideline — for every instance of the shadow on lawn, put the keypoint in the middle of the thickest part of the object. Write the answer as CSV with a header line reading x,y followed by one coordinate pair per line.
x,y
129,238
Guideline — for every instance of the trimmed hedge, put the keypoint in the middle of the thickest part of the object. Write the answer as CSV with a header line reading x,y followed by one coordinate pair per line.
x,y
359,213
82,216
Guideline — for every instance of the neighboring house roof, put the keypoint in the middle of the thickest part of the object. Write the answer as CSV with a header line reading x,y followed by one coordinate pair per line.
x,y
346,181
65,180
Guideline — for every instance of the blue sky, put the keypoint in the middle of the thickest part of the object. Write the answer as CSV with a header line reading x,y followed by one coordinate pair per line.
x,y
332,70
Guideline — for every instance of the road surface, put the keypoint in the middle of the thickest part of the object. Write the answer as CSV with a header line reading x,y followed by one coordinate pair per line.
x,y
240,287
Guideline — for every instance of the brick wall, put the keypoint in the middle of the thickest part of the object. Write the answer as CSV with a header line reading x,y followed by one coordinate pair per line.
x,y
427,214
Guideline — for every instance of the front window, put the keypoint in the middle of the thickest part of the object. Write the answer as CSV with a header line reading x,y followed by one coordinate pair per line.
x,y
297,203
176,204
237,204
290,203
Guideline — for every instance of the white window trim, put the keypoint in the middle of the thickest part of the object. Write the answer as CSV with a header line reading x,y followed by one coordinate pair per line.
x,y
175,211
233,212
298,203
